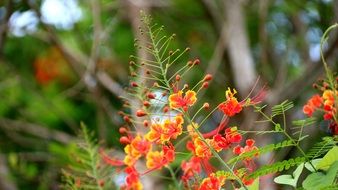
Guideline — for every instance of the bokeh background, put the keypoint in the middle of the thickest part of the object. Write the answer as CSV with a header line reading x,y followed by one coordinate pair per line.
x,y
67,61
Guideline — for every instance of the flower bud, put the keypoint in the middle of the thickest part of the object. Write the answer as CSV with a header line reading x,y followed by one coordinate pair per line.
x,y
133,84
206,105
207,77
122,130
140,113
205,85
126,119
189,63
196,62
101,183
151,95
146,103
165,109
124,140
146,123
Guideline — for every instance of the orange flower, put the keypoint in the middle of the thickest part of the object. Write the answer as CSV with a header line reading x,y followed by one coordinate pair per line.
x,y
162,133
213,182
136,149
177,101
191,130
155,132
154,159
329,108
231,106
328,97
202,150
158,159
171,129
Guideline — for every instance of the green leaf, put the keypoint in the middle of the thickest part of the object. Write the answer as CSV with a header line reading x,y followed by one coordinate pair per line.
x,y
314,162
281,108
328,159
290,179
320,180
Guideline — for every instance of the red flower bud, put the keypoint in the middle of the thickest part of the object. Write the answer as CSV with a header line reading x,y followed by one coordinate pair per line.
x,y
101,183
146,103
165,109
151,95
126,119
124,140
196,62
208,77
140,113
206,106
122,130
146,123
205,85
190,63
133,84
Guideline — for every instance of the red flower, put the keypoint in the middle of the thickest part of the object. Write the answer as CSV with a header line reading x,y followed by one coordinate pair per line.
x,y
213,182
191,168
231,137
334,128
231,106
308,110
312,104
132,179
220,143
249,147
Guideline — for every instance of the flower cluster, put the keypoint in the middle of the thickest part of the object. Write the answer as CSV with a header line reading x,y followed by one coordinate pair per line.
x,y
325,103
165,117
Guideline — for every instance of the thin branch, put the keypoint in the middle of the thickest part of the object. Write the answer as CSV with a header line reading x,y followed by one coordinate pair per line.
x,y
36,130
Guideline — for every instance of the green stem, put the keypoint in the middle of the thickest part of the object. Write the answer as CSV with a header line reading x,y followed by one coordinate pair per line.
x,y
172,173
288,136
322,41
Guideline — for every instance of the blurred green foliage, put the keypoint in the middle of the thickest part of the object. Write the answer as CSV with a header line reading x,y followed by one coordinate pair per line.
x,y
63,101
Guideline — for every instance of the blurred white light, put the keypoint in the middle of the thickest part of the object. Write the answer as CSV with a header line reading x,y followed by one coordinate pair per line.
x,y
61,13
22,23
